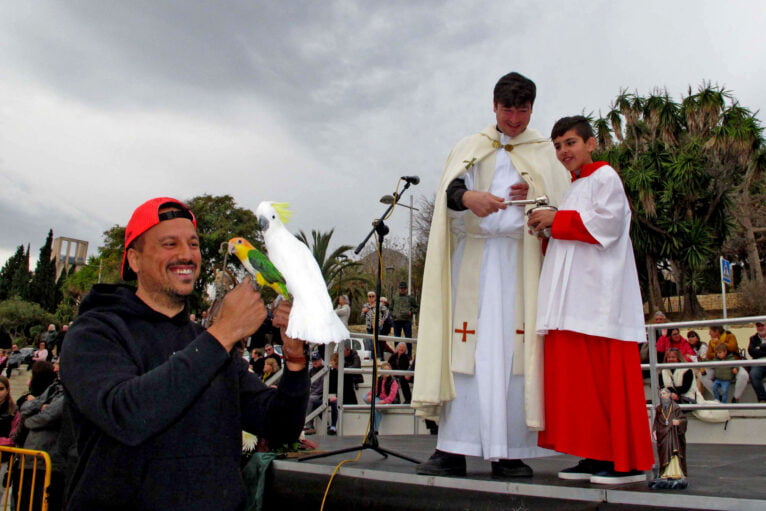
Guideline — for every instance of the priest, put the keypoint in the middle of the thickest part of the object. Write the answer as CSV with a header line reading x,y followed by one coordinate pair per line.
x,y
479,369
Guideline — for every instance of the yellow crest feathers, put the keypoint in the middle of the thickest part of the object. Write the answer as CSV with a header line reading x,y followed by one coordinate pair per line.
x,y
283,210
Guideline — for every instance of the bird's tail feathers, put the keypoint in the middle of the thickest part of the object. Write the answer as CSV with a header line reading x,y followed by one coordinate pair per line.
x,y
280,289
316,328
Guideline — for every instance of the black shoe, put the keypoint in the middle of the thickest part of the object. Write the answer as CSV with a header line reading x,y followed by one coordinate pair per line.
x,y
442,464
584,470
612,477
503,469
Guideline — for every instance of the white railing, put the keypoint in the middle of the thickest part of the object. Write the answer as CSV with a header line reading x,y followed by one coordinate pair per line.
x,y
653,366
342,371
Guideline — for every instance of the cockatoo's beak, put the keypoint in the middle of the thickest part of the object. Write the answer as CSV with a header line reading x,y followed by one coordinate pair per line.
x,y
232,248
263,222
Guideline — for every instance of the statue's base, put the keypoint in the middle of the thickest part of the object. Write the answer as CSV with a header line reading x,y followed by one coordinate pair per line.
x,y
668,484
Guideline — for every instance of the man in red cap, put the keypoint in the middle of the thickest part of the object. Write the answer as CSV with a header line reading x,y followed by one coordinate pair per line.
x,y
159,402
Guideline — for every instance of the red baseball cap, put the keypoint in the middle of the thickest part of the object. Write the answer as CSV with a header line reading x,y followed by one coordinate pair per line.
x,y
146,216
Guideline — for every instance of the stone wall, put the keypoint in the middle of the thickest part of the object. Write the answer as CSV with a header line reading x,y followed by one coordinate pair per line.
x,y
708,302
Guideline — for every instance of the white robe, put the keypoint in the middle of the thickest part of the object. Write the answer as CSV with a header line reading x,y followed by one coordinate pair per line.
x,y
441,352
588,288
487,416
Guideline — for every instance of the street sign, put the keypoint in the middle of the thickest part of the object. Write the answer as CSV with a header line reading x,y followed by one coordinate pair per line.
x,y
725,271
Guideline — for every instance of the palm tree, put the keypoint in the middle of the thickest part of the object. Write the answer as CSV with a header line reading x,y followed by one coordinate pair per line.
x,y
688,168
339,271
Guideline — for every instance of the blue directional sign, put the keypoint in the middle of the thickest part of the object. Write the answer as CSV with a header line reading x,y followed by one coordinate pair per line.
x,y
725,271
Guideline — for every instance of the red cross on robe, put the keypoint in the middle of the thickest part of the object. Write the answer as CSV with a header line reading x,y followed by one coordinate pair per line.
x,y
465,331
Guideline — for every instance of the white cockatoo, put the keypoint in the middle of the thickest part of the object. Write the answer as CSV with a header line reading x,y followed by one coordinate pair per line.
x,y
312,317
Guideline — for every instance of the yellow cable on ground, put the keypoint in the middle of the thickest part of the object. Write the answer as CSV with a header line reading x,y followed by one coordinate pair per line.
x,y
358,455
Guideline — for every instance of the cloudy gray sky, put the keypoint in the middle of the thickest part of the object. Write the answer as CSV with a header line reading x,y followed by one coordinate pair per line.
x,y
104,104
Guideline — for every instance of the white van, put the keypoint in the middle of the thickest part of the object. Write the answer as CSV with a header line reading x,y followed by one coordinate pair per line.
x,y
358,345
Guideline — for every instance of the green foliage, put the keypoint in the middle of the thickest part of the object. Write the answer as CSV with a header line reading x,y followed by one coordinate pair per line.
x,y
65,312
218,220
108,263
21,319
42,288
682,164
340,273
79,283
15,275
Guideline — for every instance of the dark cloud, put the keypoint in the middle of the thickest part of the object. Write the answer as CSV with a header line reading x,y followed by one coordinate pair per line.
x,y
323,104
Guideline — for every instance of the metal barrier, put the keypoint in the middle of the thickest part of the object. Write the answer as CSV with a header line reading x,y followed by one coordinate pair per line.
x,y
341,374
15,461
653,366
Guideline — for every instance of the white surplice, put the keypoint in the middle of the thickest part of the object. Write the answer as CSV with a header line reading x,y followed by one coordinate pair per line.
x,y
593,288
487,416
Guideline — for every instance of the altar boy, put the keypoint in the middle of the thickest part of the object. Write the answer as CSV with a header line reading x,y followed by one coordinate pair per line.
x,y
590,311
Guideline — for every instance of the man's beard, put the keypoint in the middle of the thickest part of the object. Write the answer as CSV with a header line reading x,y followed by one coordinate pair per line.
x,y
174,296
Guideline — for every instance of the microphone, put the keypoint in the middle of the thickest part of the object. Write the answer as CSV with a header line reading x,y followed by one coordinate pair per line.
x,y
413,180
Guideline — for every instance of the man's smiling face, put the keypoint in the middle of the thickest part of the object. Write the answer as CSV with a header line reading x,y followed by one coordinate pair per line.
x,y
513,120
167,260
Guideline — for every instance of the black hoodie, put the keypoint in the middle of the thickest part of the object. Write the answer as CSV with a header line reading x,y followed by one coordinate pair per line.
x,y
159,405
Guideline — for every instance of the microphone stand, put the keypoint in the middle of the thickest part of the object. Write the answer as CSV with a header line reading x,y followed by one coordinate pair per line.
x,y
371,440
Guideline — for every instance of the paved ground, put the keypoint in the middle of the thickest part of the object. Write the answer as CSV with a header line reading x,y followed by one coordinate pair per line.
x,y
19,382
721,477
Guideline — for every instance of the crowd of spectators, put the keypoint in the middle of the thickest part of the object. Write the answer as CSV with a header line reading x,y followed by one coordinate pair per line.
x,y
43,422
757,350
726,384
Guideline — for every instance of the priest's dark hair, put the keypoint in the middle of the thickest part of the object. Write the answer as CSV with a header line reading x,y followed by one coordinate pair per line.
x,y
578,123
515,90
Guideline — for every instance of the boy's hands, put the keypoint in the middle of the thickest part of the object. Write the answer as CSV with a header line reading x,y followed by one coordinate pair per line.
x,y
541,219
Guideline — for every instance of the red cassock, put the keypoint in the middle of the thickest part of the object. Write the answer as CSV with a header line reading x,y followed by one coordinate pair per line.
x,y
594,393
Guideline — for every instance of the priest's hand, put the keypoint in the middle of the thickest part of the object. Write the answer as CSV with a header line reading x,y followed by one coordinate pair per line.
x,y
295,359
518,191
482,204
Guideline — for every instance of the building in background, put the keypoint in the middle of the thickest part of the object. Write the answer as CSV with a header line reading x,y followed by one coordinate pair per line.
x,y
69,252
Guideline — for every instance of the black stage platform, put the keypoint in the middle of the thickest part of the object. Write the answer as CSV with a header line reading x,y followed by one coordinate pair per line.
x,y
721,477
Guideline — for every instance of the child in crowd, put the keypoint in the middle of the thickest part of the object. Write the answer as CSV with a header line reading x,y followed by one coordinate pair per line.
x,y
723,375
386,392
590,310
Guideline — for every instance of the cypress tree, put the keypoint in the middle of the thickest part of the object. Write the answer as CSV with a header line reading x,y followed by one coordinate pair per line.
x,y
14,277
42,288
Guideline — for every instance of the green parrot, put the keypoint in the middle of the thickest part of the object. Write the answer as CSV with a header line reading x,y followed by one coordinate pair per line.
x,y
258,265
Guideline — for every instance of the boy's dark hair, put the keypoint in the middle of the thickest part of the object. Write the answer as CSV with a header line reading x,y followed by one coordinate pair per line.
x,y
578,123
515,90
717,328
